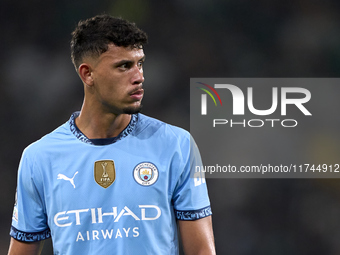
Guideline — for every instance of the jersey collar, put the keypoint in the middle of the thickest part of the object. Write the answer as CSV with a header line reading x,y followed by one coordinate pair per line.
x,y
80,136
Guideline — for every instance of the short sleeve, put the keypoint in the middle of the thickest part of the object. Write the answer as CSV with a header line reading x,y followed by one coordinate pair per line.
x,y
29,220
190,198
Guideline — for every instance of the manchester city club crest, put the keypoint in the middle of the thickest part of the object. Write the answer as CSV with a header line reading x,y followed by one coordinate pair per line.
x,y
104,172
145,173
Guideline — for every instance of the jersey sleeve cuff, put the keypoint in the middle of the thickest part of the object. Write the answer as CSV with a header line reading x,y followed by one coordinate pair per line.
x,y
193,214
29,237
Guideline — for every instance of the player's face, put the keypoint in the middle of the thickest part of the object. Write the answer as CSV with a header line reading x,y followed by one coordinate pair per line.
x,y
117,78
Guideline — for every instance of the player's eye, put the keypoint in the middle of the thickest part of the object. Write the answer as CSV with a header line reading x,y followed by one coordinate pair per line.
x,y
124,66
140,64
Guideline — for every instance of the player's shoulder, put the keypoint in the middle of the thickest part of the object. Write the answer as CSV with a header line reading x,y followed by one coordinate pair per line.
x,y
52,139
151,126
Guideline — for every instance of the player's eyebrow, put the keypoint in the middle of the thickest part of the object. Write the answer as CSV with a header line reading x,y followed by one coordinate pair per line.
x,y
129,62
122,62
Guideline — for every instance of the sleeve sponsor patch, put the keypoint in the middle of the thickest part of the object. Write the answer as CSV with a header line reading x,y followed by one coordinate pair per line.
x,y
29,237
194,214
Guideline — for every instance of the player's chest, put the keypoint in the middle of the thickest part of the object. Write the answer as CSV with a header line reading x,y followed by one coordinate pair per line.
x,y
109,175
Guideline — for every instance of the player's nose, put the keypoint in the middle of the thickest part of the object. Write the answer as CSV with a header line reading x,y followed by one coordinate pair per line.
x,y
138,76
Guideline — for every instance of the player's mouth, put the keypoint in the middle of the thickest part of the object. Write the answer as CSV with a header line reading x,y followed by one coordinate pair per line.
x,y
137,94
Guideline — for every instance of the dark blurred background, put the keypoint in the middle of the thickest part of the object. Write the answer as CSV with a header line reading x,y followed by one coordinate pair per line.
x,y
39,90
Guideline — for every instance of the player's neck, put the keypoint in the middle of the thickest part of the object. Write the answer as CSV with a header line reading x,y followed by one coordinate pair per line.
x,y
96,125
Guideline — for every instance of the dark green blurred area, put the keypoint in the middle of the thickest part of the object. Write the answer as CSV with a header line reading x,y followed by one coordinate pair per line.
x,y
40,89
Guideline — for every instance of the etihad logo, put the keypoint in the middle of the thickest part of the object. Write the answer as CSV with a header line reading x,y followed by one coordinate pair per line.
x,y
104,173
64,177
68,218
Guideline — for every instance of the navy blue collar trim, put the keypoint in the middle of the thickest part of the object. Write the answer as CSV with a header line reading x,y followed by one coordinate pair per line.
x,y
80,136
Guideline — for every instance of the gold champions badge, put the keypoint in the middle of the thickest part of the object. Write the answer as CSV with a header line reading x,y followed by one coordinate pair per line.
x,y
104,172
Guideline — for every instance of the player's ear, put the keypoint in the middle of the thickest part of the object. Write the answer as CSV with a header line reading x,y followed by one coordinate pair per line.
x,y
85,73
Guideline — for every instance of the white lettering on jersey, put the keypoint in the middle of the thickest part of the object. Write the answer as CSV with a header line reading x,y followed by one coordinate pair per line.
x,y
61,219
56,219
95,234
80,237
63,177
199,178
126,232
107,234
100,214
129,212
150,206
76,212
135,231
118,234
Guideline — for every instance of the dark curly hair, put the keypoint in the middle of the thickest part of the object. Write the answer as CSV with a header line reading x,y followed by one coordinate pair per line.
x,y
92,36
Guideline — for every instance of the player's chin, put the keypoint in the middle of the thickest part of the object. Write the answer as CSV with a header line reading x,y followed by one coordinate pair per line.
x,y
133,109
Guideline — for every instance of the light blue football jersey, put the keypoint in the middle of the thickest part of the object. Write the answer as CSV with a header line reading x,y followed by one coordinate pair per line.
x,y
109,196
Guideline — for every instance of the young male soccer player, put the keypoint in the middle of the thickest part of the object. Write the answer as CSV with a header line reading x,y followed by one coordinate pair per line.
x,y
111,180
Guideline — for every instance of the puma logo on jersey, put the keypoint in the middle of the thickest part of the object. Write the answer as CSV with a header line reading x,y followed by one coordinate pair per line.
x,y
63,177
